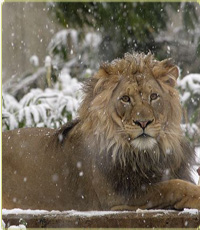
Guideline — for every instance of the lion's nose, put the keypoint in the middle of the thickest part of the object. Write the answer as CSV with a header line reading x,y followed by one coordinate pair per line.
x,y
143,124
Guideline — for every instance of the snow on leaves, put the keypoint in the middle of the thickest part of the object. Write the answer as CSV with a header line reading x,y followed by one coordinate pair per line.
x,y
189,88
49,107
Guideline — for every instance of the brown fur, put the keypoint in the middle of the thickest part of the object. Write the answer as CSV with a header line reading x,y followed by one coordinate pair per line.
x,y
100,161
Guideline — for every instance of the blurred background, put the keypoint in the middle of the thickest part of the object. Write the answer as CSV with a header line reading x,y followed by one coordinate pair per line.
x,y
48,49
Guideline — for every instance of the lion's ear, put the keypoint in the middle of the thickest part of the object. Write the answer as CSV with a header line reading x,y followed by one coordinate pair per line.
x,y
166,72
104,81
172,75
100,78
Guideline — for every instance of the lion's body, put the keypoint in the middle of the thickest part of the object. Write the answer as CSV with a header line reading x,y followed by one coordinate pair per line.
x,y
46,175
125,147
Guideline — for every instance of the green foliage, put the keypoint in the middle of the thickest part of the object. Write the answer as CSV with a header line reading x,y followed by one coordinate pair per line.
x,y
189,16
198,48
125,26
128,25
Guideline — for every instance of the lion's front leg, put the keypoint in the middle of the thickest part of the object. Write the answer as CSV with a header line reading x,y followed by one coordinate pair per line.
x,y
177,194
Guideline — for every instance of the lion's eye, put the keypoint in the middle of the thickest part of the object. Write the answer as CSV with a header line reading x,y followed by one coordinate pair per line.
x,y
154,96
125,99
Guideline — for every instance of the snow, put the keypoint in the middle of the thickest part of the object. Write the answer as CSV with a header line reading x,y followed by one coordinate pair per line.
x,y
190,211
50,107
185,96
189,85
14,227
191,129
93,39
192,81
47,61
154,211
198,153
195,167
91,213
74,36
60,39
11,103
69,85
34,60
18,211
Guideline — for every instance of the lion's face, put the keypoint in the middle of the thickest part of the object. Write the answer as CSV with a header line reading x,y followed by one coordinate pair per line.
x,y
138,110
131,103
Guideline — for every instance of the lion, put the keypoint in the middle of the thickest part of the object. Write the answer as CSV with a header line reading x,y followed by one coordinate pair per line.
x,y
125,150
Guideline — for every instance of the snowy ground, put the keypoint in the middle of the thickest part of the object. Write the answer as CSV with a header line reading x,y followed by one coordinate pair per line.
x,y
88,214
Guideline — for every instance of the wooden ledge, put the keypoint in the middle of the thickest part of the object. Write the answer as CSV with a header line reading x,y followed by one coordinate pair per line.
x,y
93,219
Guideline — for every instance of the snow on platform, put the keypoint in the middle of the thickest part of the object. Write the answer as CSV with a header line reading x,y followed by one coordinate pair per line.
x,y
188,218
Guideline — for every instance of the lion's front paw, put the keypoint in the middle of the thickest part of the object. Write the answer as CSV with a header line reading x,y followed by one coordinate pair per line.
x,y
189,202
188,196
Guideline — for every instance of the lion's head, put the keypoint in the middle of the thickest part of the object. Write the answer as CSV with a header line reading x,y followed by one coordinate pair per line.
x,y
132,110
